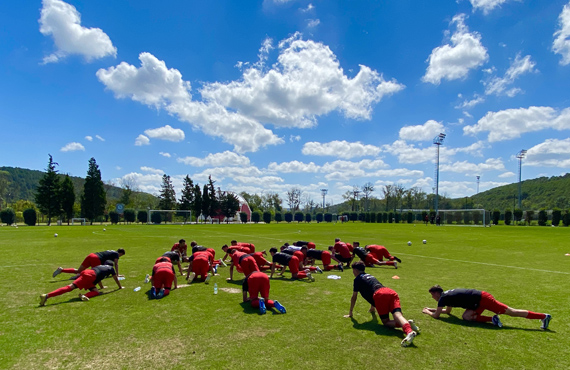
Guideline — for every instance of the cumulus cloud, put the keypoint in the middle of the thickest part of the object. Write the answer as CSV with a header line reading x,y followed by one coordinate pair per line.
x,y
89,138
166,133
506,174
561,44
468,104
500,85
308,8
491,164
425,132
72,147
152,170
487,5
142,140
409,153
62,22
293,167
226,158
165,154
293,138
454,60
311,23
550,153
148,183
512,123
99,138
340,149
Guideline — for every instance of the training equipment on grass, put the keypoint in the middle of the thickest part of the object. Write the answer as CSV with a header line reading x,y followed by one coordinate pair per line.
x,y
424,241
409,243
137,289
78,221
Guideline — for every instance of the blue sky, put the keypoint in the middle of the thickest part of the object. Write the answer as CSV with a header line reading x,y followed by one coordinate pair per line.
x,y
275,94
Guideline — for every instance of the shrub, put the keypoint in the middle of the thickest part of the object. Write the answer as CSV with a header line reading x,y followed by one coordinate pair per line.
x,y
556,216
30,217
353,216
390,217
256,216
410,217
288,217
528,217
129,215
267,217
384,217
496,216
372,217
566,218
518,214
367,217
114,216
328,217
379,217
142,216
542,217
243,217
156,217
467,217
278,217
299,216
398,216
457,218
508,216
8,216
319,217
308,217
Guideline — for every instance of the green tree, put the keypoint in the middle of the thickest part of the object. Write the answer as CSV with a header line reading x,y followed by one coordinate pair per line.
x,y
267,217
130,215
94,197
243,217
256,216
114,216
142,217
47,194
288,217
8,216
205,202
197,204
229,204
278,217
308,217
167,195
508,216
214,203
30,216
556,216
5,184
67,197
187,198
542,217
319,217
328,217
496,216
299,216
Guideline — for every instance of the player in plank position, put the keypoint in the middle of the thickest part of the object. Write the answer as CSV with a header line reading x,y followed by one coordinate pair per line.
x,y
242,261
163,275
256,284
324,257
301,254
234,246
87,280
93,260
174,259
380,252
200,264
340,252
285,260
475,302
368,258
181,248
382,299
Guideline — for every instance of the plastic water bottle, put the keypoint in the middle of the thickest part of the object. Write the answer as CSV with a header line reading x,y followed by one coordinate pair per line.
x,y
216,288
137,289
121,278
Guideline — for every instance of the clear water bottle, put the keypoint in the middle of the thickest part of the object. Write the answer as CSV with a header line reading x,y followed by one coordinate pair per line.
x,y
216,288
137,289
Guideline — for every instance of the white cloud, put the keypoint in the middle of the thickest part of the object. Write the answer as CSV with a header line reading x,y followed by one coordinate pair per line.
x,y
221,173
311,23
62,21
308,8
512,123
152,170
468,104
506,174
164,154
99,137
498,86
487,5
226,158
142,140
166,133
561,44
491,164
408,153
89,138
340,149
293,167
473,149
550,153
73,147
259,181
294,138
425,132
453,61
148,183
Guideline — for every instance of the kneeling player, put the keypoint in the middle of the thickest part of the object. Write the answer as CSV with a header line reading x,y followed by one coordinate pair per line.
x,y
163,275
200,264
256,284
324,257
291,261
368,258
380,252
87,280
382,299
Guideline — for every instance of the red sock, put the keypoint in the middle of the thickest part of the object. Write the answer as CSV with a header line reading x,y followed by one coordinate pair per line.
x,y
535,315
390,263
269,303
482,318
301,275
311,268
69,271
60,291
166,292
92,294
407,328
329,267
255,303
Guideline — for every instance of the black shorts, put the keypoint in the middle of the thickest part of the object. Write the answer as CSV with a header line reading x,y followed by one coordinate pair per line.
x,y
343,259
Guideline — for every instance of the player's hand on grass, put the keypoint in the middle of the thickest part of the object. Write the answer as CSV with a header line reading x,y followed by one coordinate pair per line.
x,y
104,287
229,279
427,310
347,316
121,275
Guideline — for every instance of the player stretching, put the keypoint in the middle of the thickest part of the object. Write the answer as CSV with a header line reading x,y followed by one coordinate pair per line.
x,y
256,284
380,252
93,260
384,300
368,258
163,275
475,302
287,260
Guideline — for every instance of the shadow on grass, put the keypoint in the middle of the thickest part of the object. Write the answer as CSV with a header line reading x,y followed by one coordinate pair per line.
x,y
451,319
283,278
76,299
247,309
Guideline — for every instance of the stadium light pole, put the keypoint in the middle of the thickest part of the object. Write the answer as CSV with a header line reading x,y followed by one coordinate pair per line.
x,y
520,156
438,140
478,177
324,193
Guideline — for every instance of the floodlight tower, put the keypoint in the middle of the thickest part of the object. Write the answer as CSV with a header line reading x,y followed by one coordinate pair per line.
x,y
520,156
478,177
438,140
323,193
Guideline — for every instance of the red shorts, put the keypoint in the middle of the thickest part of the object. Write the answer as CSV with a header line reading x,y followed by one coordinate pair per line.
x,y
370,260
310,245
91,260
326,258
200,266
86,279
163,277
258,284
248,265
294,265
488,302
386,300
212,252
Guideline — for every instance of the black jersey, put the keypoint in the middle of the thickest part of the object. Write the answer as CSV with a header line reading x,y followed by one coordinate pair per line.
x,y
301,243
289,251
103,271
282,258
315,253
464,298
107,255
198,248
366,285
360,252
174,257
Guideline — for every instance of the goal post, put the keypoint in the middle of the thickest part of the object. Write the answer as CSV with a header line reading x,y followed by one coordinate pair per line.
x,y
80,221
167,211
465,217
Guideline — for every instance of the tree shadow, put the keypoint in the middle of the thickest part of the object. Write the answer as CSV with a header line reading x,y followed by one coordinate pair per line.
x,y
452,319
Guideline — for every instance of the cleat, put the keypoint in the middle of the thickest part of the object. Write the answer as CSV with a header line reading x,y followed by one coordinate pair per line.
x,y
160,293
319,270
409,339
191,277
262,308
223,263
497,321
153,292
340,267
215,269
396,265
146,279
397,259
83,297
57,271
545,322
414,326
43,299
279,307
310,276
207,281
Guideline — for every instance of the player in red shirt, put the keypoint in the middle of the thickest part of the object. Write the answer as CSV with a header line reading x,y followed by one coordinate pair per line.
x,y
181,248
200,265
380,252
256,284
243,261
324,257
163,275
341,252
239,248
285,260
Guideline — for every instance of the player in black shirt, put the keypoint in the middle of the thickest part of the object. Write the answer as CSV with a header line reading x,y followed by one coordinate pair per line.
x,y
94,259
293,262
475,302
174,259
87,280
382,299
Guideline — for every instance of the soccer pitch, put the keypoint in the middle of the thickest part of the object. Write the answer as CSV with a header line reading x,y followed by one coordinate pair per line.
x,y
523,267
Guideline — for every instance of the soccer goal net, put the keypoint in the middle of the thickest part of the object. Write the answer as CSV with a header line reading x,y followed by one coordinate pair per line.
x,y
460,217
78,221
157,216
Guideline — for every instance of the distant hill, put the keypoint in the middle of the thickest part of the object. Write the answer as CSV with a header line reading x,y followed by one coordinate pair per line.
x,y
24,182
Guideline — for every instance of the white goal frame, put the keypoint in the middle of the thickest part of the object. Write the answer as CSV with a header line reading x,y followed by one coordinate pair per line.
x,y
168,211
83,221
485,215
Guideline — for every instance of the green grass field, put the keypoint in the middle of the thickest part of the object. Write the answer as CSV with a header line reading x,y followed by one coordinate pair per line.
x,y
524,267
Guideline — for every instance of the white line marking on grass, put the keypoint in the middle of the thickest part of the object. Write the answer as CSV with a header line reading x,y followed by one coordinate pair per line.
x,y
30,264
487,264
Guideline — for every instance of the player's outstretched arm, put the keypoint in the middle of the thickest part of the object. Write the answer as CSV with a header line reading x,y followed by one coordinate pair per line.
x,y
116,278
435,312
352,303
175,282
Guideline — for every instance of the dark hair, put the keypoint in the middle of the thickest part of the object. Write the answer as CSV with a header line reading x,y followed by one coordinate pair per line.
x,y
121,251
436,289
304,248
233,242
273,250
193,243
330,247
356,243
224,246
231,251
109,263
360,266
182,241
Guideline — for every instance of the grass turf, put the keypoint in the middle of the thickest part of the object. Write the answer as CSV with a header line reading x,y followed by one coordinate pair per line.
x,y
524,267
